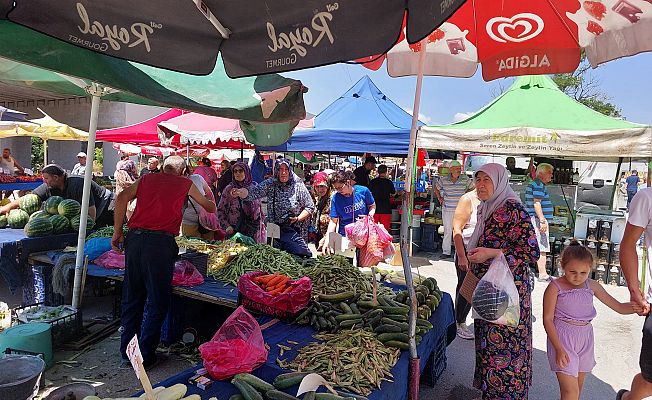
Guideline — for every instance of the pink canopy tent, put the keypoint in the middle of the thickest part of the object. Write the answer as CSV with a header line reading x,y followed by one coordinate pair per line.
x,y
141,133
199,129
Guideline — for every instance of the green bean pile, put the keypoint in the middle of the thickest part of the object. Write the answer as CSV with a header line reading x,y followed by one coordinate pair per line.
x,y
259,257
353,359
335,273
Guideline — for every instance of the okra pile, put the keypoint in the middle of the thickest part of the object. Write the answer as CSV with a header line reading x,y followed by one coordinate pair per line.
x,y
259,257
335,273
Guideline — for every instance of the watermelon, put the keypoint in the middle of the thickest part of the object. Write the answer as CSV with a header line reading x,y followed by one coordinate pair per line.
x,y
69,208
39,214
30,203
51,205
3,221
60,224
17,219
76,220
38,227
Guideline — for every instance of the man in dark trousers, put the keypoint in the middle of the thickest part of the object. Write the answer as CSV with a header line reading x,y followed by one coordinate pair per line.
x,y
150,250
362,172
382,188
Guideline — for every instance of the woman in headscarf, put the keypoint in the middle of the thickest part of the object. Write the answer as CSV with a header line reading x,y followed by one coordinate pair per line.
x,y
289,205
125,174
503,362
236,215
322,198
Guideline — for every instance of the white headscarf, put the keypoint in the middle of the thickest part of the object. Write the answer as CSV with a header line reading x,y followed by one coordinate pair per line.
x,y
502,193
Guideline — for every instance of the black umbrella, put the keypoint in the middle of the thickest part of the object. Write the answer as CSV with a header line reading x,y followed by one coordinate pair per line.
x,y
255,36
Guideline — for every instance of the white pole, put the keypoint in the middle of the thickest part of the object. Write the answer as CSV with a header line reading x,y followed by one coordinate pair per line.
x,y
407,204
45,152
88,178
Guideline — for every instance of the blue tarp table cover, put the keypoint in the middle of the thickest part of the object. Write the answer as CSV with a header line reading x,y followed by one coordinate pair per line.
x,y
442,319
20,185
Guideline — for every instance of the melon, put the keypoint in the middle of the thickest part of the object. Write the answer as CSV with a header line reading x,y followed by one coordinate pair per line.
x,y
30,203
69,208
60,224
3,221
39,214
76,221
38,227
51,205
17,219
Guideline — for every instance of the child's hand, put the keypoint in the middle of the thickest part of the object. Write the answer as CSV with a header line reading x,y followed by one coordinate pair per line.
x,y
562,358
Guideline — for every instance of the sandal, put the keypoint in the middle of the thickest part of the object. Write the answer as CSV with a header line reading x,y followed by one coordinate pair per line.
x,y
620,394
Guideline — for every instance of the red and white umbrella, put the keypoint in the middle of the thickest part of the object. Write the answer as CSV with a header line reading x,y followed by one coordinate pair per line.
x,y
160,151
515,37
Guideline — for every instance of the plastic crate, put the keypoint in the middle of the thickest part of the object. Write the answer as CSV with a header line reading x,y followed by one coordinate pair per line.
x,y
436,364
198,259
64,329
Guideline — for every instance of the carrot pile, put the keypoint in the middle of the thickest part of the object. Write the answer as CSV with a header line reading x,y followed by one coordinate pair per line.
x,y
275,283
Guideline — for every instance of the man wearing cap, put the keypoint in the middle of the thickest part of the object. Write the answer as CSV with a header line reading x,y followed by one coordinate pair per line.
x,y
448,191
362,172
80,167
382,188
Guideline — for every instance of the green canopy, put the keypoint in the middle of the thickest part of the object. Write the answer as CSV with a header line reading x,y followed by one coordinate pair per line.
x,y
213,94
534,117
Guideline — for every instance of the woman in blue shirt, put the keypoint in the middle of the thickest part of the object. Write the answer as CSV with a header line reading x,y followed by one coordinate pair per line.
x,y
348,202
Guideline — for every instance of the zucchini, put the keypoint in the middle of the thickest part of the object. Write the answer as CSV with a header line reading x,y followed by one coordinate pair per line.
x,y
323,323
424,323
247,391
366,304
309,395
278,395
236,396
174,392
401,337
423,289
345,308
346,317
401,296
336,297
429,284
402,325
350,323
395,310
399,318
350,395
397,344
382,301
255,382
288,380
387,328
421,298
354,308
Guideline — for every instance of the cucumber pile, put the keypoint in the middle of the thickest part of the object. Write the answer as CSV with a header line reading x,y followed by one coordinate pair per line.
x,y
253,388
388,318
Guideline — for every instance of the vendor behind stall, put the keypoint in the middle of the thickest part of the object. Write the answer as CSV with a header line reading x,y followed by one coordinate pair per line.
x,y
58,183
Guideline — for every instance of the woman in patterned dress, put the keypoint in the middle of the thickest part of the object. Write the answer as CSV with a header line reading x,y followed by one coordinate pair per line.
x,y
503,362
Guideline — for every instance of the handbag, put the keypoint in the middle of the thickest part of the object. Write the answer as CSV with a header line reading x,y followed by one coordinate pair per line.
x,y
469,284
246,225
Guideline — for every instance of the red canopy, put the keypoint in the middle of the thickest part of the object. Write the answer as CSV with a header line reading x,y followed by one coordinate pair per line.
x,y
141,133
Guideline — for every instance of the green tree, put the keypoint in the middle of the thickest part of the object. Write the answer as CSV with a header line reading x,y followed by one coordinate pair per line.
x,y
584,87
98,163
37,154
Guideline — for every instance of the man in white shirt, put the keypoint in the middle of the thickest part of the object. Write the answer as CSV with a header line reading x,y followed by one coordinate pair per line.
x,y
639,221
80,167
9,164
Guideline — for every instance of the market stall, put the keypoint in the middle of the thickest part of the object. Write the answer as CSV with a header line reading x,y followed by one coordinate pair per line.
x,y
534,118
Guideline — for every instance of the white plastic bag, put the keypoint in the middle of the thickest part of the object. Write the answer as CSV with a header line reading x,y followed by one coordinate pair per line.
x,y
495,299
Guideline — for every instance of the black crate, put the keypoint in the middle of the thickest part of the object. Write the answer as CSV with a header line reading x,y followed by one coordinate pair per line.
x,y
198,259
436,364
64,329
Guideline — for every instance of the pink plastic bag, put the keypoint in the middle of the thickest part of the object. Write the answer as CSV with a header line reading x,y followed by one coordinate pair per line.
x,y
238,346
111,259
186,274
358,232
280,305
384,238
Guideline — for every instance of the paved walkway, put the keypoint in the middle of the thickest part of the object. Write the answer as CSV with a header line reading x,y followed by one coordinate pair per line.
x,y
618,344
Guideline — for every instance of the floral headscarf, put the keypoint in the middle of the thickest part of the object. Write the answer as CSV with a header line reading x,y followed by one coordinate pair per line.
x,y
247,175
129,166
277,170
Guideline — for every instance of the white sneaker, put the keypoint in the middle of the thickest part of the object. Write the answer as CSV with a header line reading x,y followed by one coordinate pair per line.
x,y
464,332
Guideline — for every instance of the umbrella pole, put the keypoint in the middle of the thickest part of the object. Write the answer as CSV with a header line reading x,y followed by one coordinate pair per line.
x,y
241,151
95,92
188,153
45,152
414,370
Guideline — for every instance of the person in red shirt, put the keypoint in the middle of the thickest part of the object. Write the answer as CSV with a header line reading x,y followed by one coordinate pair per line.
x,y
150,250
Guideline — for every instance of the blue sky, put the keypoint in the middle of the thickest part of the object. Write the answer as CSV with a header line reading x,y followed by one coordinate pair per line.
x,y
627,82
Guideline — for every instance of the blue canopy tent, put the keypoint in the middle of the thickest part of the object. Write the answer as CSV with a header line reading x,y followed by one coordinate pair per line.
x,y
362,120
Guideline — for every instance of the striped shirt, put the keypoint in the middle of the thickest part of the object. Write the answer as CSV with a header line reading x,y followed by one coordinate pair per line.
x,y
452,191
537,190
